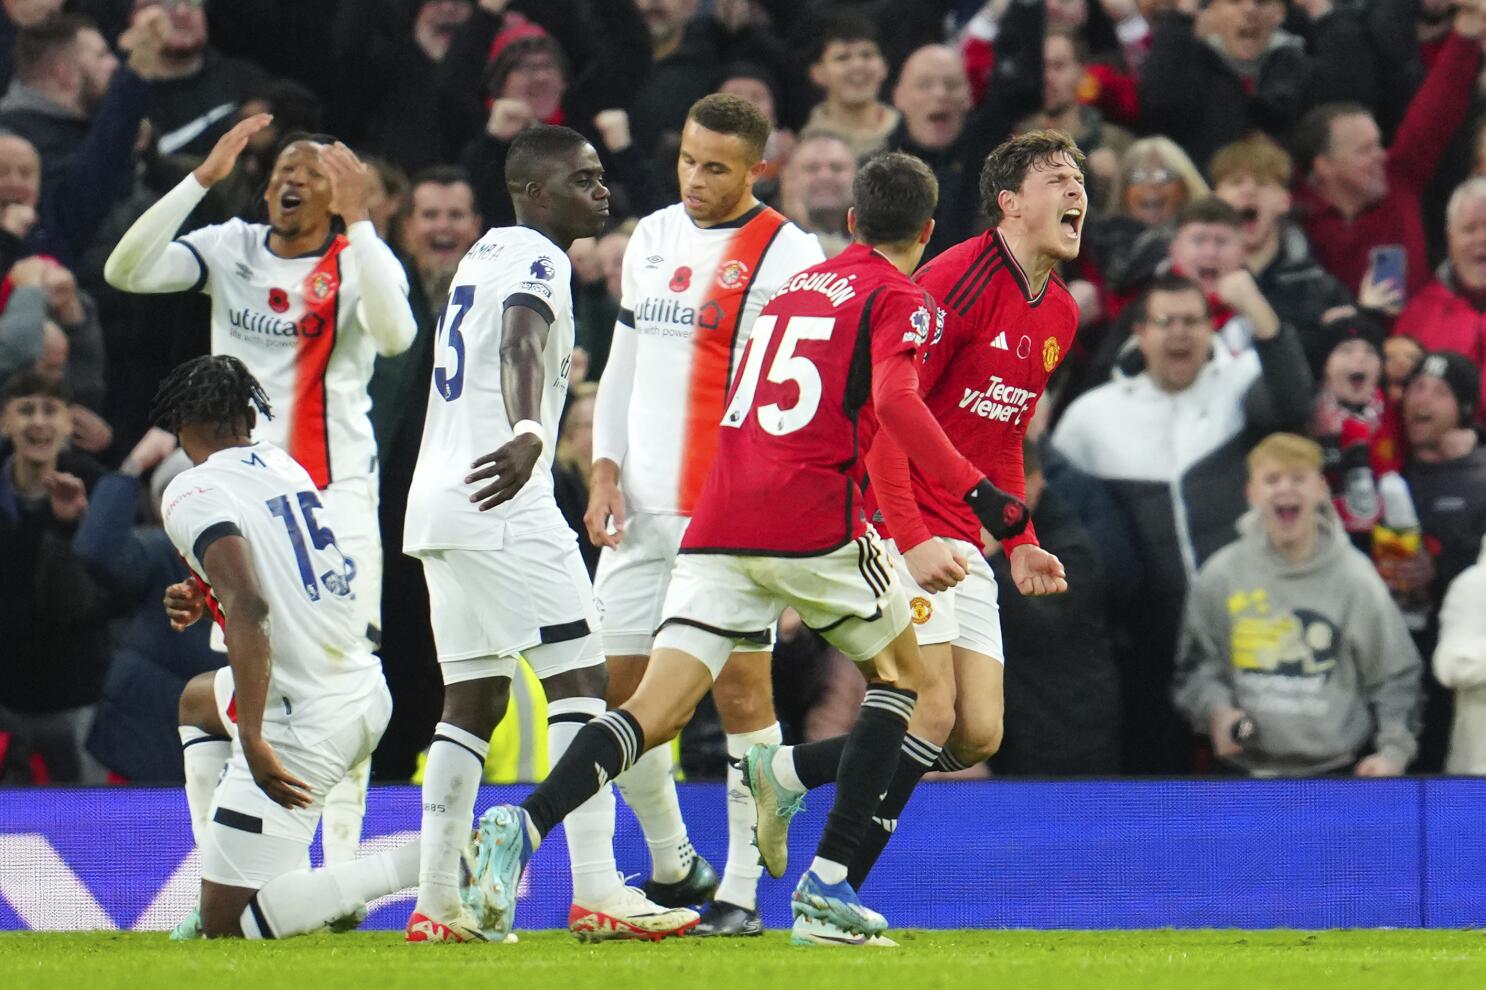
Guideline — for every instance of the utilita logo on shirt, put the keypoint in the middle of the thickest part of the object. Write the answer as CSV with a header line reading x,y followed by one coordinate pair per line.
x,y
251,321
673,318
998,401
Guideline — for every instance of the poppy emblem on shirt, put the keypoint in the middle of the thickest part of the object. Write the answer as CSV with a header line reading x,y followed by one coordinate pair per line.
x,y
1050,354
921,609
1024,347
543,269
681,280
732,274
278,300
320,286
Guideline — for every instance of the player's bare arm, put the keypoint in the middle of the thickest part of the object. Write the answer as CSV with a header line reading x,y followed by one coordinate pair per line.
x,y
229,568
605,505
523,341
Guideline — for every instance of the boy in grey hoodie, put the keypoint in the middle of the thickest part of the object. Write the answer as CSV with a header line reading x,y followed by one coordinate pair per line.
x,y
1294,659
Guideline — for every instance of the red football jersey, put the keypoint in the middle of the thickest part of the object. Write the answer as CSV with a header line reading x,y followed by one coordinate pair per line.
x,y
982,380
787,477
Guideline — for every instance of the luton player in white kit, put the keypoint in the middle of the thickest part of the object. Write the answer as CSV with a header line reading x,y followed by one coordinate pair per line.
x,y
303,696
307,309
694,279
505,577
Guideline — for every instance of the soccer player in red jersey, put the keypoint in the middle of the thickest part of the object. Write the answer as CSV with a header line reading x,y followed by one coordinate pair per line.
x,y
1009,320
781,522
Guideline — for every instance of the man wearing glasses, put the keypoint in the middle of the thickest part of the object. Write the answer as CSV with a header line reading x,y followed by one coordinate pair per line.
x,y
1171,441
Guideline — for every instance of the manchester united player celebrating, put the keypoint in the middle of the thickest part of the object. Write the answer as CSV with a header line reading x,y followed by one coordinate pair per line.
x,y
695,277
1009,322
780,522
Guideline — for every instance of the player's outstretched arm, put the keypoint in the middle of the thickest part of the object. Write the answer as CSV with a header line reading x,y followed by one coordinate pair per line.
x,y
908,421
229,569
522,375
146,259
383,308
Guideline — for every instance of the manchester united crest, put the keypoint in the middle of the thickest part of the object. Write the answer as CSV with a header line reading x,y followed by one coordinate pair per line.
x,y
922,609
1050,354
732,274
320,286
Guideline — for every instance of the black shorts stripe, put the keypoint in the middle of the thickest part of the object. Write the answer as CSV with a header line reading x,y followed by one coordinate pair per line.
x,y
206,739
878,564
238,820
582,718
985,257
876,614
871,568
564,632
532,302
760,636
210,535
260,919
455,742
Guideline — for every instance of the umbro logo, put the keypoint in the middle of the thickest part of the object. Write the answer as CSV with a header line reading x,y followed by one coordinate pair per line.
x,y
1000,342
653,262
244,272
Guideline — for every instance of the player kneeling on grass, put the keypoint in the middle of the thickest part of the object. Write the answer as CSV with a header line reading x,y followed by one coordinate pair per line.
x,y
1009,320
306,694
780,523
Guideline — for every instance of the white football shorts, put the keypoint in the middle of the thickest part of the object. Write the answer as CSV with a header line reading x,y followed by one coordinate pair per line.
x,y
530,597
718,602
253,839
967,616
633,579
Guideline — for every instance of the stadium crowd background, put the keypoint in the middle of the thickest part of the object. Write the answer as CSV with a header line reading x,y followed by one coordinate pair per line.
x,y
1315,144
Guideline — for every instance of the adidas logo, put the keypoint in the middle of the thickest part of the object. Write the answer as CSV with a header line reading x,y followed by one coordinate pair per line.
x,y
1000,342
603,775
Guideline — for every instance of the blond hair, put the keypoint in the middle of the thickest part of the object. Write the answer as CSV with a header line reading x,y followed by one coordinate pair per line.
x,y
1171,155
1257,156
1289,450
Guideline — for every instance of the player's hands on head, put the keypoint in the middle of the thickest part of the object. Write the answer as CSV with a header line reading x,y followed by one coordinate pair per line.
x,y
223,157
1037,572
350,182
184,604
1378,765
1220,731
1001,513
935,566
507,468
68,496
605,504
270,776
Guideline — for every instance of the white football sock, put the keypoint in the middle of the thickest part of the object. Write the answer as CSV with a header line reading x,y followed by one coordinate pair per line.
x,y
649,788
829,871
783,766
451,780
204,756
340,821
306,900
740,879
589,827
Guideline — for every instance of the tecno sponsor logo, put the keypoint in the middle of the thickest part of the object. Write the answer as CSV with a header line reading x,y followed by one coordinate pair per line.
x,y
998,401
250,321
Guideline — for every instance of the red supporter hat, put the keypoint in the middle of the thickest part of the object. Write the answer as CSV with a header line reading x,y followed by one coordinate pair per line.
x,y
515,28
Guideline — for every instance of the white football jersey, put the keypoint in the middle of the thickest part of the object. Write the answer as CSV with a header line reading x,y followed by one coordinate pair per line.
x,y
295,323
322,662
466,406
690,296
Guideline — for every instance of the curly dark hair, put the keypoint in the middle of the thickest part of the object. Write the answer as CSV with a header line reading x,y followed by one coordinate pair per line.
x,y
1006,168
213,390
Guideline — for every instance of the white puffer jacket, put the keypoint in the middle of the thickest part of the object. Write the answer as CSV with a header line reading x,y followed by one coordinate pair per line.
x,y
1460,663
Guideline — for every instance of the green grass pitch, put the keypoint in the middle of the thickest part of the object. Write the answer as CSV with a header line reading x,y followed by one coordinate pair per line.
x,y
1355,960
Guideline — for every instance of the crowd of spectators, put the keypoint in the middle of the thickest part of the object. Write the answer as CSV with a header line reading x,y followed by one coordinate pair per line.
x,y
1288,237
